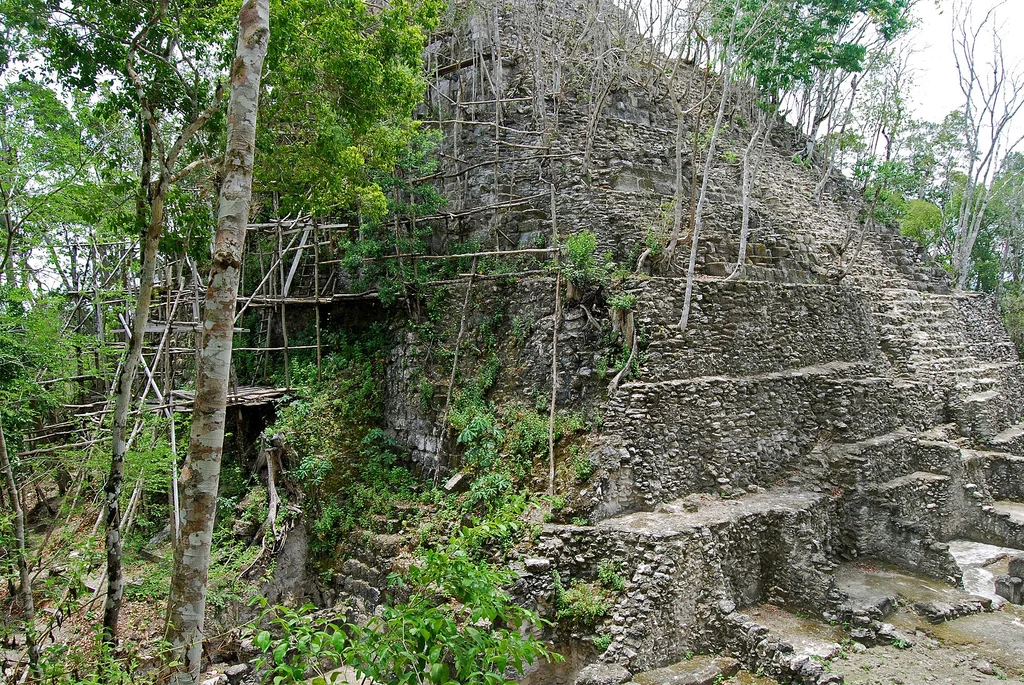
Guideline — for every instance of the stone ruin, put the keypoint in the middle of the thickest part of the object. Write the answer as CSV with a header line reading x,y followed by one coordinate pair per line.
x,y
1011,586
804,421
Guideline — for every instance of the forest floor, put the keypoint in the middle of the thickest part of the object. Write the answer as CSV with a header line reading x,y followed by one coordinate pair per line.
x,y
68,578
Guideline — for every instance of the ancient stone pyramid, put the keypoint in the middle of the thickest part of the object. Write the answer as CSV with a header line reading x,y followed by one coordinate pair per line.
x,y
801,420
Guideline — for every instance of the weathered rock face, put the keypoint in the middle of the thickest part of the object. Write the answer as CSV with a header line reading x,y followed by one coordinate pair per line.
x,y
1011,585
798,422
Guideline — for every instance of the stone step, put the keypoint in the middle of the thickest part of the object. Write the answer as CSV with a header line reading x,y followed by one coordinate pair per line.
x,y
1013,510
767,546
698,670
1010,440
1004,523
919,480
1001,473
718,434
966,366
773,641
874,590
886,457
904,520
984,407
746,328
838,369
692,513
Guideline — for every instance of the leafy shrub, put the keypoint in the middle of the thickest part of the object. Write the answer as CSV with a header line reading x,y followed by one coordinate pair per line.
x,y
488,489
622,301
458,626
601,642
608,576
582,604
582,467
582,267
1011,305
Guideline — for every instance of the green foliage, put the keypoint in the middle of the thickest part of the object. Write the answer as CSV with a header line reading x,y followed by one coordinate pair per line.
x,y
921,221
582,267
30,347
608,576
91,664
458,626
582,467
506,438
782,44
348,145
582,604
1011,305
601,642
622,301
358,68
489,490
348,467
520,329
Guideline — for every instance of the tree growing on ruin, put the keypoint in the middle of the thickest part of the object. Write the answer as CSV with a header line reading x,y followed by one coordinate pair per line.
x,y
993,91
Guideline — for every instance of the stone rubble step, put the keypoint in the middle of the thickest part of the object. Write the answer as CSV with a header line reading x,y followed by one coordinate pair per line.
x,y
699,670
783,645
918,479
874,590
875,441
883,457
980,564
1011,439
832,369
1013,510
694,513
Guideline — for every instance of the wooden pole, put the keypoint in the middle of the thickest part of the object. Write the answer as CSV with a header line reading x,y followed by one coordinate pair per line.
x,y
316,288
284,323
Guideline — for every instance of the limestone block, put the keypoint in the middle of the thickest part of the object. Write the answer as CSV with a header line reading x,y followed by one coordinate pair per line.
x,y
1011,589
602,674
1017,567
701,670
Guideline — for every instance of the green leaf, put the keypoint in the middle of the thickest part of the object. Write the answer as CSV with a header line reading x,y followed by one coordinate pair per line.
x,y
262,640
280,651
439,673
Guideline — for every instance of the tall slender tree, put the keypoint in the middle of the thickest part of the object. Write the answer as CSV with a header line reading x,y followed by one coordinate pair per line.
x,y
993,93
200,477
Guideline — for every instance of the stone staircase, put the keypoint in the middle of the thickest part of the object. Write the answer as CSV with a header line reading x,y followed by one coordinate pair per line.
x,y
791,428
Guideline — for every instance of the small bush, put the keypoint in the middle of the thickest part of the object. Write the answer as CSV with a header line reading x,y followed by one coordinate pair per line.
x,y
1011,306
582,604
582,467
608,575
601,642
435,632
489,489
622,301
582,267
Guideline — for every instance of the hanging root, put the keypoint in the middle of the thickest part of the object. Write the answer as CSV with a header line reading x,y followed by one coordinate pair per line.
x,y
614,385
643,258
269,535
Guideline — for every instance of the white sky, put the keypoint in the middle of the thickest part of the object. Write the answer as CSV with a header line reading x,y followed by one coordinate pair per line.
x,y
937,89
